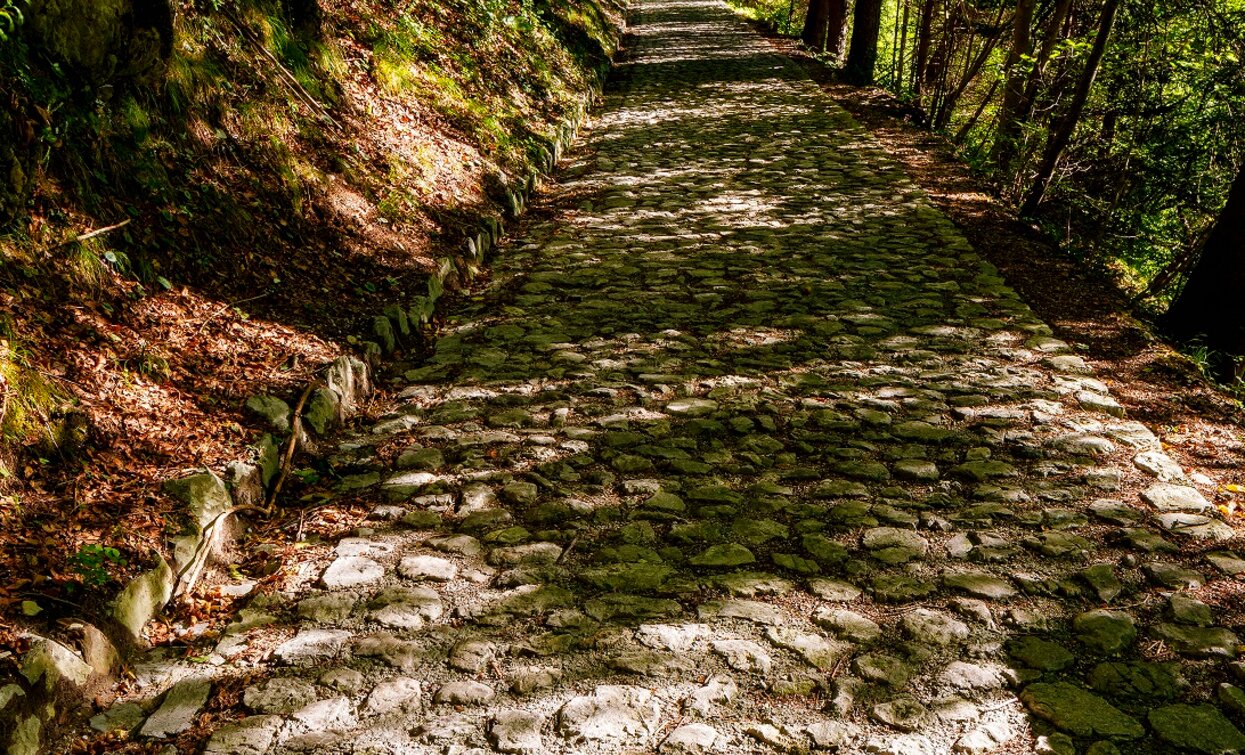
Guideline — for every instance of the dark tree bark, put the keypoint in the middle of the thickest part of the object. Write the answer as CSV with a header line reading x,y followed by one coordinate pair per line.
x,y
1063,132
816,22
836,27
903,46
862,56
1014,91
920,60
1212,305
1007,143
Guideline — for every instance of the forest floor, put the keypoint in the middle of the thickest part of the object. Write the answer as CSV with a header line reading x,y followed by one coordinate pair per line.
x,y
744,446
258,243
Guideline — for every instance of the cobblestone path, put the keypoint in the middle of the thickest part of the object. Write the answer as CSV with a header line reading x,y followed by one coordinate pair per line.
x,y
750,453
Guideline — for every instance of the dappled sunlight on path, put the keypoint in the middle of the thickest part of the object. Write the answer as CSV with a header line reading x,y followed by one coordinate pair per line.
x,y
751,451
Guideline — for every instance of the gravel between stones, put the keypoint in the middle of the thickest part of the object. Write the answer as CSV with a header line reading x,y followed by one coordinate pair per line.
x,y
749,451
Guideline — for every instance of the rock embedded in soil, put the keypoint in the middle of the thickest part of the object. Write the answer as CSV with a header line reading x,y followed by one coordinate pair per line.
x,y
517,731
351,571
1104,631
692,739
1196,728
1079,712
1170,497
610,713
253,735
178,709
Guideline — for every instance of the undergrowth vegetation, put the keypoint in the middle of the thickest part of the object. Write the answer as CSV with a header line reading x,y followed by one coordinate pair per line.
x,y
210,213
1112,125
784,17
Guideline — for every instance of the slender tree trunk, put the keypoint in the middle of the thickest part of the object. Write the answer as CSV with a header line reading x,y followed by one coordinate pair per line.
x,y
973,65
1063,133
1051,37
962,134
1014,91
836,27
1210,306
815,24
920,59
943,58
1007,142
862,56
894,72
903,47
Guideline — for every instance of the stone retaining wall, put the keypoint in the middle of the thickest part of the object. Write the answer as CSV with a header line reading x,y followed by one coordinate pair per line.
x,y
58,678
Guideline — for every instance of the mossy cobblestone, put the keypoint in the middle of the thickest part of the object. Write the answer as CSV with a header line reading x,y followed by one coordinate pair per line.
x,y
749,450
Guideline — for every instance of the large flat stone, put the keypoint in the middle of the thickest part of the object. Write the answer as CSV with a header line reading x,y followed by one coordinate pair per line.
x,y
610,713
178,709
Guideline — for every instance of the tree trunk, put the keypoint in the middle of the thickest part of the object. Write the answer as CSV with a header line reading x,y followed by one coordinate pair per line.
x,y
836,27
816,21
1007,142
920,60
862,56
1210,306
964,131
1063,133
903,47
1014,91
1051,38
973,65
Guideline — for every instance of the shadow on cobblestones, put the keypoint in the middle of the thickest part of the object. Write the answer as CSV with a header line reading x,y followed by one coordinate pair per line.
x,y
749,450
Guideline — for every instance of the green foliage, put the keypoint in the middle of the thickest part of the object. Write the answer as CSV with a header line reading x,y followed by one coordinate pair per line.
x,y
1150,161
491,69
11,17
92,561
1175,84
27,398
414,57
784,17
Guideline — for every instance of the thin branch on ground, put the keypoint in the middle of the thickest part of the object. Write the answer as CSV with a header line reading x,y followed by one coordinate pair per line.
x,y
296,429
91,234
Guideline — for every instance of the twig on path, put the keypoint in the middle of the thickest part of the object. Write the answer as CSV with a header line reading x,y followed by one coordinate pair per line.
x,y
36,597
302,517
223,309
295,429
284,73
999,706
496,669
92,234
838,666
567,551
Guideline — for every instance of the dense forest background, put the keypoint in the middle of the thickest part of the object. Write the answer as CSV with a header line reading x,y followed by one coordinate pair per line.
x,y
1114,124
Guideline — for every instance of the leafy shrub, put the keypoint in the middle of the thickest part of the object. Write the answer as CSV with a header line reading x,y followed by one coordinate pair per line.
x,y
11,18
91,562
